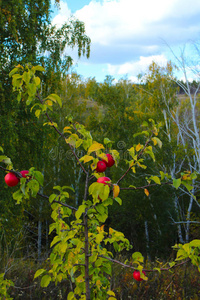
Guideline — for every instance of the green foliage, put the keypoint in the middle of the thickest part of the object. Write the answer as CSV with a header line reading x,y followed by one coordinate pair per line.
x,y
4,286
82,251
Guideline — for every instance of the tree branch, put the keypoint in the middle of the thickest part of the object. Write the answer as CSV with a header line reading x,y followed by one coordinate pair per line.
x,y
146,270
143,187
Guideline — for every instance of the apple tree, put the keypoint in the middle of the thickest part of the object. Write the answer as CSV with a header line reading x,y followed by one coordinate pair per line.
x,y
82,250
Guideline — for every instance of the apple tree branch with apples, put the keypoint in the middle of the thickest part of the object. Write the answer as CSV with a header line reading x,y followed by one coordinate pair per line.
x,y
80,249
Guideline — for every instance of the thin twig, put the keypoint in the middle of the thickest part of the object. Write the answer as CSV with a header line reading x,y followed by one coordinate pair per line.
x,y
146,270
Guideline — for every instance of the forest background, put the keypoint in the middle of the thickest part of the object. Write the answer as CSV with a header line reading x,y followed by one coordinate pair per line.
x,y
152,221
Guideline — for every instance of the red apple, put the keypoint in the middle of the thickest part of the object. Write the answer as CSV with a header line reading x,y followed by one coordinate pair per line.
x,y
24,173
11,179
103,180
101,166
136,275
110,161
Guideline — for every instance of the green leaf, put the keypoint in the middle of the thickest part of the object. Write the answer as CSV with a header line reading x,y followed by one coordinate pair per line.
x,y
188,187
145,124
31,88
46,279
149,151
100,209
5,159
56,239
195,243
119,200
38,68
52,197
39,272
39,176
99,237
13,71
171,264
26,77
102,218
80,210
157,141
132,152
157,269
70,296
37,81
52,227
156,179
106,141
1,149
137,256
37,113
176,182
55,98
108,201
181,254
18,196
34,186
57,187
79,143
162,174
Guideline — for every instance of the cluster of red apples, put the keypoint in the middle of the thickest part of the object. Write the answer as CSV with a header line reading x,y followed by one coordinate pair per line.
x,y
102,165
12,180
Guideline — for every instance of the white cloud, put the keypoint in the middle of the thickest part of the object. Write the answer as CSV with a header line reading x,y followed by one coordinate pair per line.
x,y
125,21
63,15
136,67
127,34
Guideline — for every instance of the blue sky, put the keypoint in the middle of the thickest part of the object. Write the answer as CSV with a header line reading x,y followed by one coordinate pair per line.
x,y
127,35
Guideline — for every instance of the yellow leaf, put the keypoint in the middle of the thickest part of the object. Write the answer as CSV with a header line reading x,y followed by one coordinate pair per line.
x,y
80,279
66,129
154,141
138,147
49,102
100,229
86,158
146,192
103,156
133,169
111,293
95,147
110,230
186,177
116,190
98,283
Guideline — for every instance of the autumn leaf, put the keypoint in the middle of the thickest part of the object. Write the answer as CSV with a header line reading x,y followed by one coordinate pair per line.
x,y
86,158
100,228
95,147
138,147
116,190
146,192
